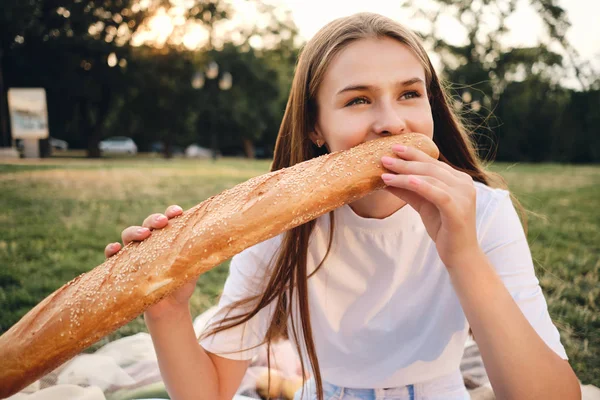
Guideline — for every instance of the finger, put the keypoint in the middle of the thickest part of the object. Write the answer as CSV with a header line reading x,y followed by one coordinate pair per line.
x,y
173,211
410,182
411,198
155,221
111,249
431,189
134,233
405,167
414,154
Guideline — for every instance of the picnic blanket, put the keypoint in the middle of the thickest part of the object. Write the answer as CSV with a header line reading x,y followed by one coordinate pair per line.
x,y
127,369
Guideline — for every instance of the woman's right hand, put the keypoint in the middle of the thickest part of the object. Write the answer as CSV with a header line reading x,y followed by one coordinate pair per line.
x,y
179,299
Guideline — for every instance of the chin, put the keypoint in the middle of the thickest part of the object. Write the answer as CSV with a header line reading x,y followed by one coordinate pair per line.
x,y
379,204
380,198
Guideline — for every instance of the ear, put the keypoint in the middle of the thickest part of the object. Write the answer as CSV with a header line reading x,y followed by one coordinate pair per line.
x,y
315,135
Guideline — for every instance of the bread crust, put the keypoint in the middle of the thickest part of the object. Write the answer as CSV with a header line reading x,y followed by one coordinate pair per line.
x,y
98,302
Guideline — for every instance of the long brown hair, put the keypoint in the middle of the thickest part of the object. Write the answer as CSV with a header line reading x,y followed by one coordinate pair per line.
x,y
289,270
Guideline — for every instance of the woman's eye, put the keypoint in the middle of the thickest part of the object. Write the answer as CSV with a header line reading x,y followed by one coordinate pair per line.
x,y
358,100
411,95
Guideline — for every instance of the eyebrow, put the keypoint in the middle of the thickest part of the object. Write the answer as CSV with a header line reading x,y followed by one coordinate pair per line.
x,y
408,82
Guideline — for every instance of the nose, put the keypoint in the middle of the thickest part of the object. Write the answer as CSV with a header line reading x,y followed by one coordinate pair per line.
x,y
388,121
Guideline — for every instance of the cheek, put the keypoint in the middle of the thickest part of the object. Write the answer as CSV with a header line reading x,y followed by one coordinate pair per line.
x,y
343,133
423,122
344,140
428,127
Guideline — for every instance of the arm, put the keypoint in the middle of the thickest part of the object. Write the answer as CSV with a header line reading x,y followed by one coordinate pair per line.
x,y
518,361
184,365
519,364
187,365
190,372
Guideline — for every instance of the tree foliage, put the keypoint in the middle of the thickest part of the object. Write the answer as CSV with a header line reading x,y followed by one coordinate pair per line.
x,y
512,98
98,84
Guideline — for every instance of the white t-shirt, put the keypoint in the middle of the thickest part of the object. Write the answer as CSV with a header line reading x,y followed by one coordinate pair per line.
x,y
383,310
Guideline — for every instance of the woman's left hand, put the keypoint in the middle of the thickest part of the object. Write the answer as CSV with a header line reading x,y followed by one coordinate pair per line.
x,y
443,196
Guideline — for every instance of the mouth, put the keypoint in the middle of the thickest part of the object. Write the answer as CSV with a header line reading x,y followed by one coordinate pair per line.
x,y
379,136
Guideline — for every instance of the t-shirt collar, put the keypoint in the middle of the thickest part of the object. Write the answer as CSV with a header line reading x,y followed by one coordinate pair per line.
x,y
396,221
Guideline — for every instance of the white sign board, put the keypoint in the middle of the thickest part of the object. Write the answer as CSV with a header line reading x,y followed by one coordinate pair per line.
x,y
28,113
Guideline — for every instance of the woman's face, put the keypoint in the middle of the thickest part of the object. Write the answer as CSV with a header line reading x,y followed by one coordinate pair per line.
x,y
372,88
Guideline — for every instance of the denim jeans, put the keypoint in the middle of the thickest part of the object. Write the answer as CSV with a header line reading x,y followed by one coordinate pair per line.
x,y
449,387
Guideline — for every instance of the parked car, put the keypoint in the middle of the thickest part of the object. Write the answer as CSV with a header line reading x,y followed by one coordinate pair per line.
x,y
58,144
195,151
118,144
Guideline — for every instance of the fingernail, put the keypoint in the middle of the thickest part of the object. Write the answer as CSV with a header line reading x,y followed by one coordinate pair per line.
x,y
161,218
177,208
142,231
387,160
399,148
387,177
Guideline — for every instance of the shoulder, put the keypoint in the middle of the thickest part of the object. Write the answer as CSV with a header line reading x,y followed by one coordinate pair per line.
x,y
496,213
261,253
250,269
489,200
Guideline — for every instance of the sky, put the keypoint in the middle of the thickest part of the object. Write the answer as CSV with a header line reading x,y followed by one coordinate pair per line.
x,y
525,26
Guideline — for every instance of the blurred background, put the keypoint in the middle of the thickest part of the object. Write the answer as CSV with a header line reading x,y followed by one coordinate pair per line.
x,y
111,110
216,74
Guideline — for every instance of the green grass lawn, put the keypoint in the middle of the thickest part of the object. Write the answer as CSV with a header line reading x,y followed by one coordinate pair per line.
x,y
58,214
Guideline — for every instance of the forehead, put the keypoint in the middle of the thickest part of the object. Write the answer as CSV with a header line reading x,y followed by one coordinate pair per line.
x,y
368,61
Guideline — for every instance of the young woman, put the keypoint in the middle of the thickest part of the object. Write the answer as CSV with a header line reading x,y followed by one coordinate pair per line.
x,y
380,294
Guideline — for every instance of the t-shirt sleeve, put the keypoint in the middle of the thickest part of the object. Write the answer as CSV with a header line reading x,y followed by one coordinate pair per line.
x,y
247,277
503,240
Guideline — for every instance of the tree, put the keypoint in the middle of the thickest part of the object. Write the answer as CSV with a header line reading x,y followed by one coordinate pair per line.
x,y
98,83
260,59
534,114
76,50
251,109
158,103
485,25
520,86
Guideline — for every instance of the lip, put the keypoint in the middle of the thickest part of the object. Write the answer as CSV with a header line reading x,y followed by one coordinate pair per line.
x,y
387,135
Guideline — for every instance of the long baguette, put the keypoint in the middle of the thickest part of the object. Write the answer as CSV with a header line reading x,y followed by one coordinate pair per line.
x,y
98,302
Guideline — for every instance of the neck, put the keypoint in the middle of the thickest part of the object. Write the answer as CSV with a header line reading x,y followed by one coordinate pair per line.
x,y
379,204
